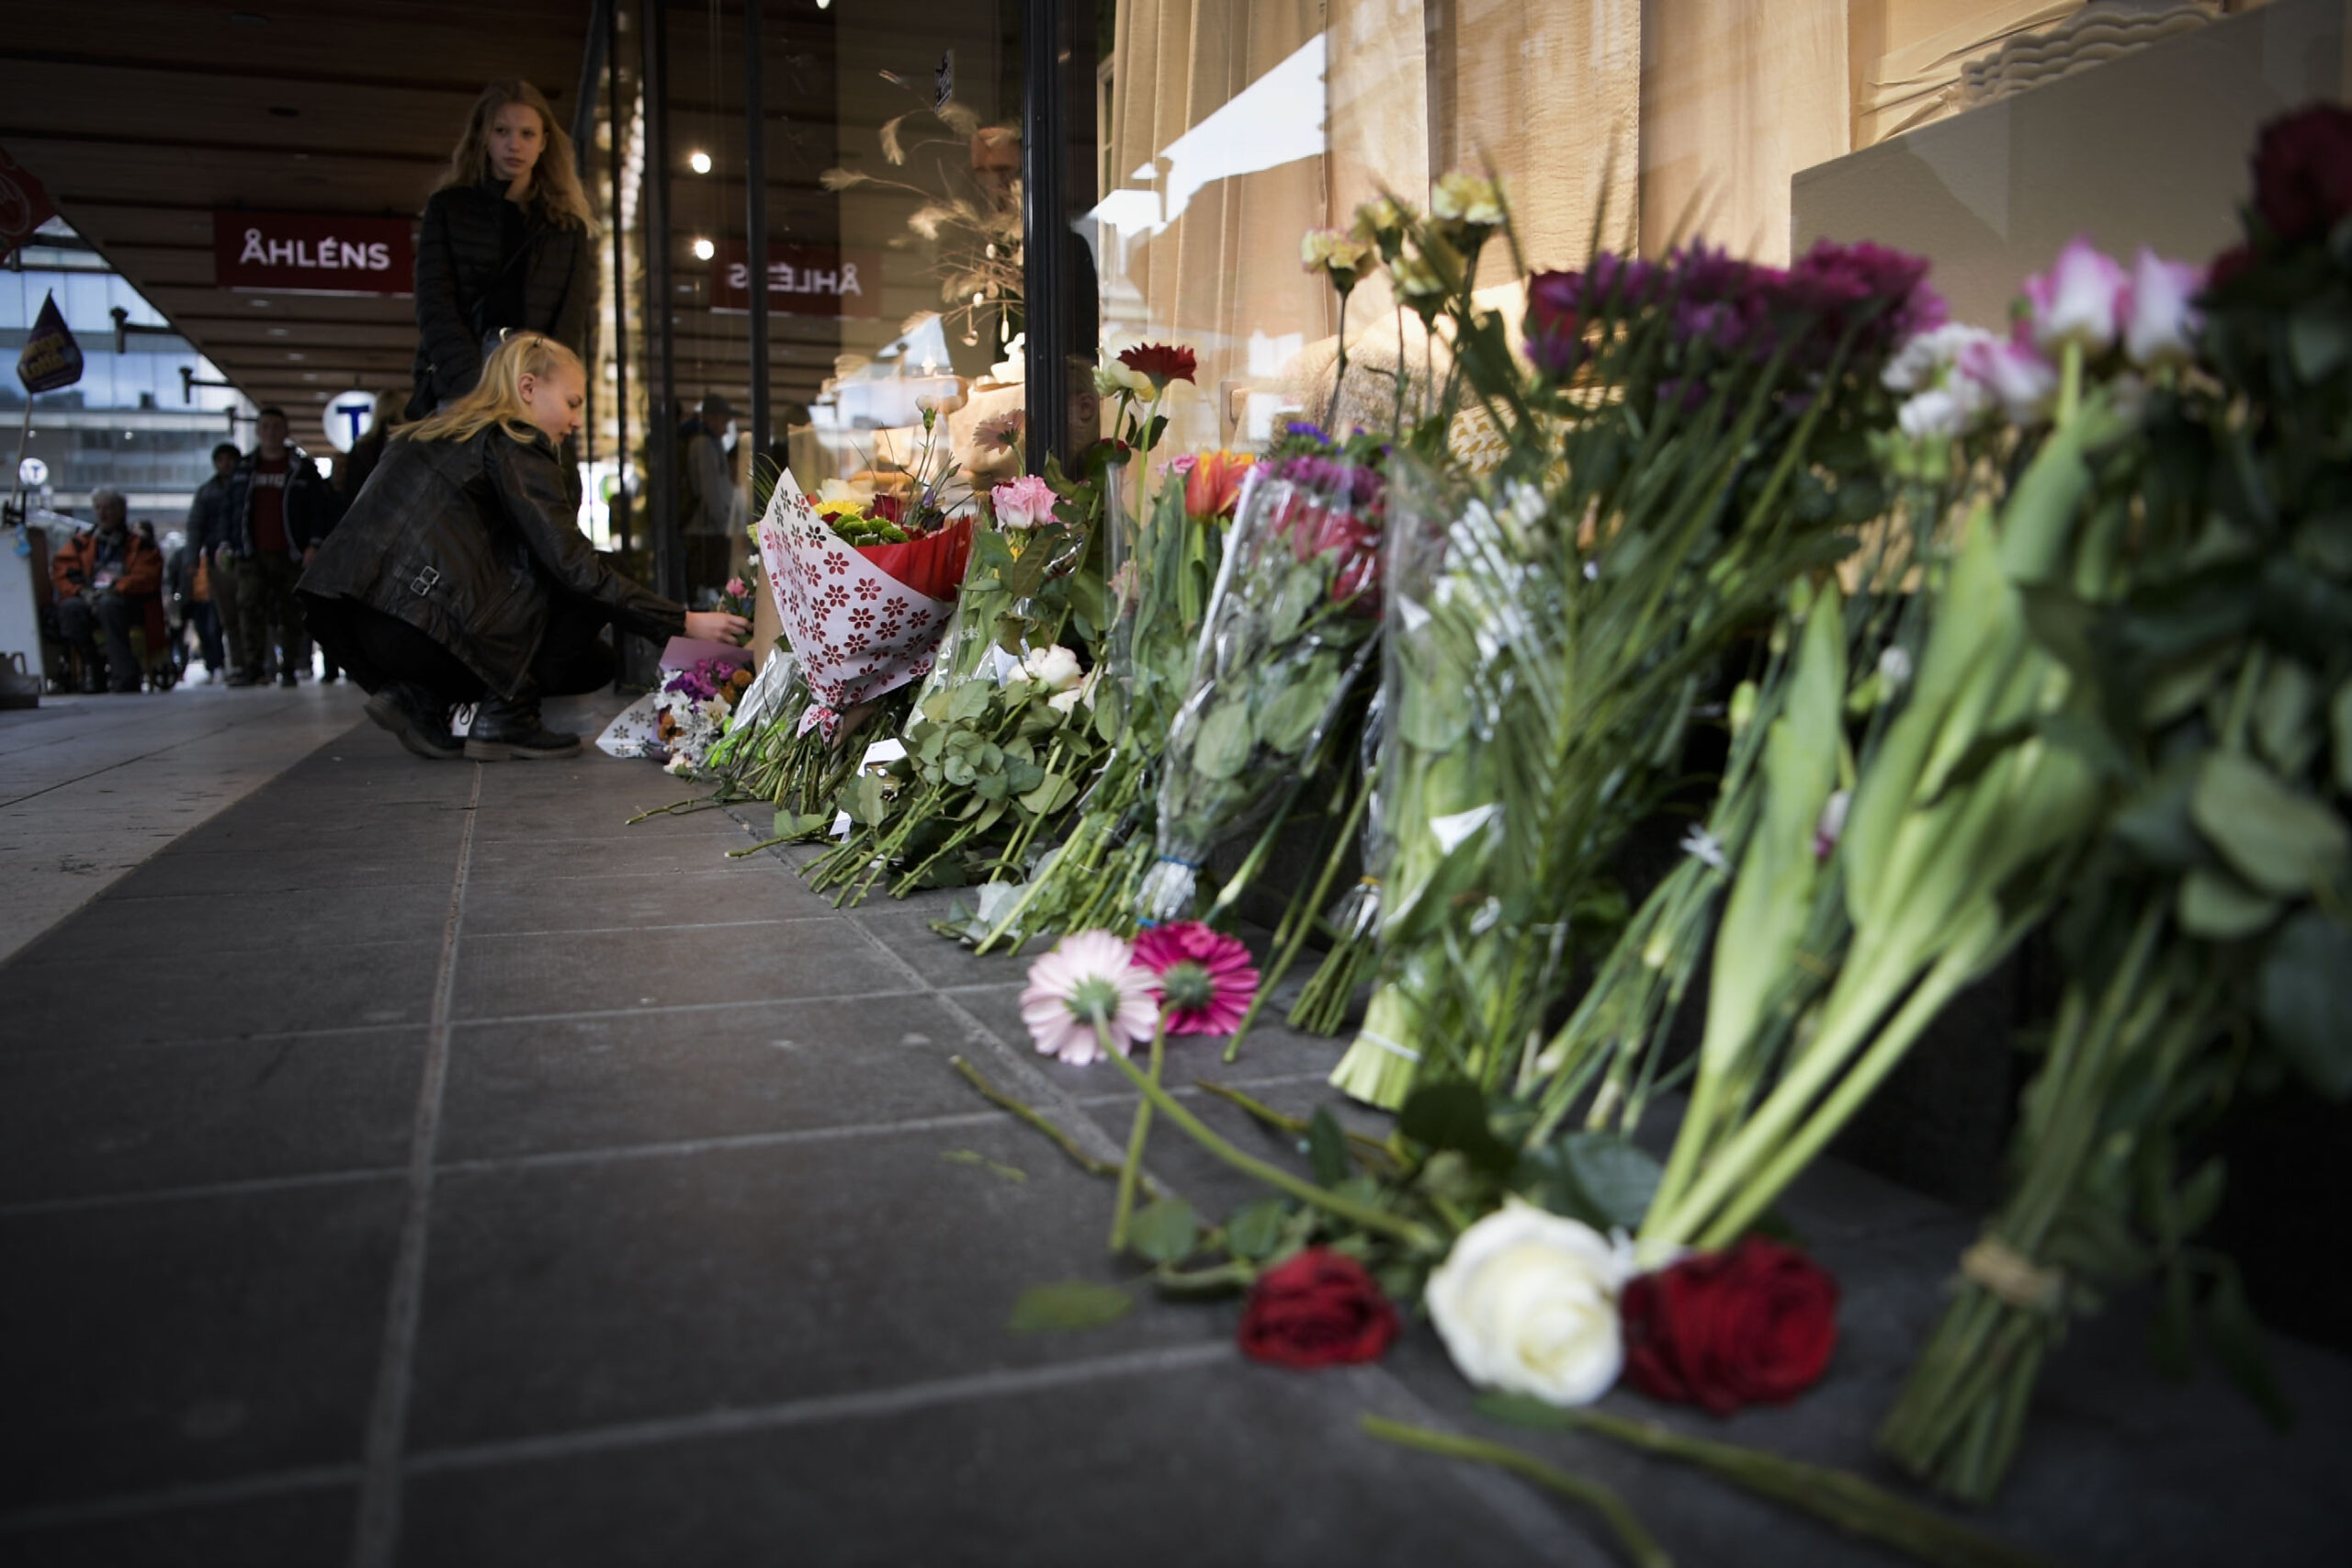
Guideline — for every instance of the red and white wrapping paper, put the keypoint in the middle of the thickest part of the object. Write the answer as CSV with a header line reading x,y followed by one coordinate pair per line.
x,y
858,631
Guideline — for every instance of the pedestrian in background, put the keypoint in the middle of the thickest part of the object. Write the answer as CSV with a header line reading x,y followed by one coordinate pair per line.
x,y
391,413
711,509
275,510
207,533
102,580
507,244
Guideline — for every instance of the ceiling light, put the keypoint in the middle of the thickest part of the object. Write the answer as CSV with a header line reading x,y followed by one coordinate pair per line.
x,y
257,304
278,331
705,249
698,160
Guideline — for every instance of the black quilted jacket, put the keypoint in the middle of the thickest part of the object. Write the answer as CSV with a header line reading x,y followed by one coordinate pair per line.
x,y
468,541
459,260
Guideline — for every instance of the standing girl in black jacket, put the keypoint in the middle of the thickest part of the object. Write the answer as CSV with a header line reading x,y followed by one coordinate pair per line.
x,y
460,574
507,245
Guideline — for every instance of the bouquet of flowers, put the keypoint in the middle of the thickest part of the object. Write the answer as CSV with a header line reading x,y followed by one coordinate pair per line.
x,y
1160,585
1292,625
1553,631
997,736
692,709
2198,590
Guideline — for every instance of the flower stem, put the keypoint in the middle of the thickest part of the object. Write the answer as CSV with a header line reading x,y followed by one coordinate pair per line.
x,y
1418,1236
1124,1208
1602,1499
1034,1118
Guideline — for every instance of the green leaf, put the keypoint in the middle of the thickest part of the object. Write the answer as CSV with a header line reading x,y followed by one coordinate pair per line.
x,y
1110,711
959,772
1453,1116
1164,1232
2282,842
1290,719
1620,1177
2303,997
1326,1148
2236,1339
2339,721
2214,904
1256,1228
2155,821
1052,793
2284,714
1068,1305
2319,336
1221,746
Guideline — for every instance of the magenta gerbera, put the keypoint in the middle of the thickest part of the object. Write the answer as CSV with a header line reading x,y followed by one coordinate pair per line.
x,y
1206,981
1088,974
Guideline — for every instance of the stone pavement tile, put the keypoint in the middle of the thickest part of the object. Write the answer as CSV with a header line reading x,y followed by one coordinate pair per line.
x,y
939,960
297,1529
548,858
288,920
728,1072
574,1295
180,995
88,1122
175,1342
1227,1464
512,976
346,862
634,899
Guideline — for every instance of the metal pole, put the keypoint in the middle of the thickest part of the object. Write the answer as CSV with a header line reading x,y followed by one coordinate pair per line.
x,y
662,410
620,284
1044,286
583,136
755,223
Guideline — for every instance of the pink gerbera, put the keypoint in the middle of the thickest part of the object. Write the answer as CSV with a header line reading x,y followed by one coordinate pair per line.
x,y
1089,975
1206,980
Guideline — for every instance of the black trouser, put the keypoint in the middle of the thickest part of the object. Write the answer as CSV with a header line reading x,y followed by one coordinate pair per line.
x,y
79,620
265,603
378,649
207,622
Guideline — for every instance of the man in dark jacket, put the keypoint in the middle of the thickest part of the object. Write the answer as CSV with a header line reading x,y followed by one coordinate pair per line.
x,y
104,579
275,513
207,533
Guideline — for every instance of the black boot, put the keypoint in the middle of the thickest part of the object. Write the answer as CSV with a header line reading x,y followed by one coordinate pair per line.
x,y
506,727
421,722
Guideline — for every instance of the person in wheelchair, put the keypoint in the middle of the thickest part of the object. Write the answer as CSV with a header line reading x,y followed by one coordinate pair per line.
x,y
105,578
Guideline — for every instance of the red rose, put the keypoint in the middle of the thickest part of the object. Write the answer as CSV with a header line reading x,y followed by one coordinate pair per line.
x,y
1318,1309
1751,1325
2302,171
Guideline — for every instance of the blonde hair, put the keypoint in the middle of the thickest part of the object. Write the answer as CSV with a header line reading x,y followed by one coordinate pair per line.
x,y
497,398
556,190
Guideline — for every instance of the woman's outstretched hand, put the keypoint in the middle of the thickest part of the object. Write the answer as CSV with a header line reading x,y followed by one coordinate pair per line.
x,y
716,626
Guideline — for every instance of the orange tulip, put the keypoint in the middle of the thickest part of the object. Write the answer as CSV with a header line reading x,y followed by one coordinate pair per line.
x,y
1215,483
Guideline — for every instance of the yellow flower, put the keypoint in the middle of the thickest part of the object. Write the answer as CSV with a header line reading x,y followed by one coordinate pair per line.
x,y
1466,198
1381,222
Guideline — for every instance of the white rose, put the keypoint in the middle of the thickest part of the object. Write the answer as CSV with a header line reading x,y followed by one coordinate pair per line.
x,y
1055,669
1527,1303
1065,702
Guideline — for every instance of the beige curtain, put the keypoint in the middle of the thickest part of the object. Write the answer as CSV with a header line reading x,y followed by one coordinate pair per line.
x,y
1736,96
1603,114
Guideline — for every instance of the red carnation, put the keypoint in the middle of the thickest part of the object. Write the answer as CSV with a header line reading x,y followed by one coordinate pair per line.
x,y
1318,1309
2302,171
1162,362
1751,1325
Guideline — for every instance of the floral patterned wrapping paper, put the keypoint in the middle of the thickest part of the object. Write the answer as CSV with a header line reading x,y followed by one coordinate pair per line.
x,y
858,631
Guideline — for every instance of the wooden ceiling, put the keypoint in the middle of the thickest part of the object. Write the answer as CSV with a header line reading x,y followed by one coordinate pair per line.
x,y
143,116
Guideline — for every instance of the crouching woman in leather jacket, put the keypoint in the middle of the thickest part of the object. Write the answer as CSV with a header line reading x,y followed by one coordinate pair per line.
x,y
460,574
